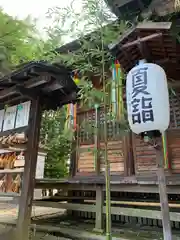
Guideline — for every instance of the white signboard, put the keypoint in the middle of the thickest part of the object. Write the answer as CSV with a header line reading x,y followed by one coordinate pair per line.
x,y
9,118
147,98
22,117
1,118
40,167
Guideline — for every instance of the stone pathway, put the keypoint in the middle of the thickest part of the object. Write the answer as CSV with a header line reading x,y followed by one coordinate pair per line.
x,y
9,212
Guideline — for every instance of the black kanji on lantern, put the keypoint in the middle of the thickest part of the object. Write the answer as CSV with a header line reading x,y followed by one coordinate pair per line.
x,y
136,116
135,105
147,116
147,111
141,105
139,82
146,103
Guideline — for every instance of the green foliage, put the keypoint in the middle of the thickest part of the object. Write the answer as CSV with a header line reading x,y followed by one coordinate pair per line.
x,y
20,42
15,38
93,24
57,143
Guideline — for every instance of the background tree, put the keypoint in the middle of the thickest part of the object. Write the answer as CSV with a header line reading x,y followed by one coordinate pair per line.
x,y
20,42
56,142
16,37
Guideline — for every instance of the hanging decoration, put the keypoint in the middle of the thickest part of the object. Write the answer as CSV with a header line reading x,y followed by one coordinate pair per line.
x,y
71,115
165,151
117,91
147,98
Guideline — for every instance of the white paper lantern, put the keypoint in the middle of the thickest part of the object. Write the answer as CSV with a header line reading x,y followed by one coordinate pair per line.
x,y
147,98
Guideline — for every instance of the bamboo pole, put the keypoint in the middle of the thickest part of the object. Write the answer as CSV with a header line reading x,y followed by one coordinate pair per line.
x,y
107,166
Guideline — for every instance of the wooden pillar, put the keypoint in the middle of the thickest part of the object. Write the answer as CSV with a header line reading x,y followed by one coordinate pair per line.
x,y
99,209
163,194
25,205
73,155
128,155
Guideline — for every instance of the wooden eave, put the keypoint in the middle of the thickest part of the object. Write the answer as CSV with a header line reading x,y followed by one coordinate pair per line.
x,y
153,42
127,8
53,84
161,8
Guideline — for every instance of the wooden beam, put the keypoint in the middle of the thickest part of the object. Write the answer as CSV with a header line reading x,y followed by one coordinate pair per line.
x,y
24,216
154,25
15,130
68,206
144,50
22,87
28,93
144,39
52,86
121,3
122,38
34,82
8,92
135,212
139,204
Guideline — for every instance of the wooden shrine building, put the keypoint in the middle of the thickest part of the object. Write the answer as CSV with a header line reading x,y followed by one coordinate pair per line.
x,y
24,95
134,187
128,155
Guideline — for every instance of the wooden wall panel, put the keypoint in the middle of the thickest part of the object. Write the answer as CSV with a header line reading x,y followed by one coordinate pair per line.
x,y
86,158
115,157
174,149
86,143
144,155
145,159
86,161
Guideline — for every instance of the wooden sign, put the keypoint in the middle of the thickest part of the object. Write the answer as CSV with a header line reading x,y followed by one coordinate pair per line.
x,y
9,118
15,116
22,117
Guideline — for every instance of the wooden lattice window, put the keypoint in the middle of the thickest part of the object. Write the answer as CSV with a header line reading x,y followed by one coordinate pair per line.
x,y
174,110
86,122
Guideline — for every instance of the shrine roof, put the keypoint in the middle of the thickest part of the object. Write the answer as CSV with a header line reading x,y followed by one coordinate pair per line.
x,y
127,9
153,41
52,82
